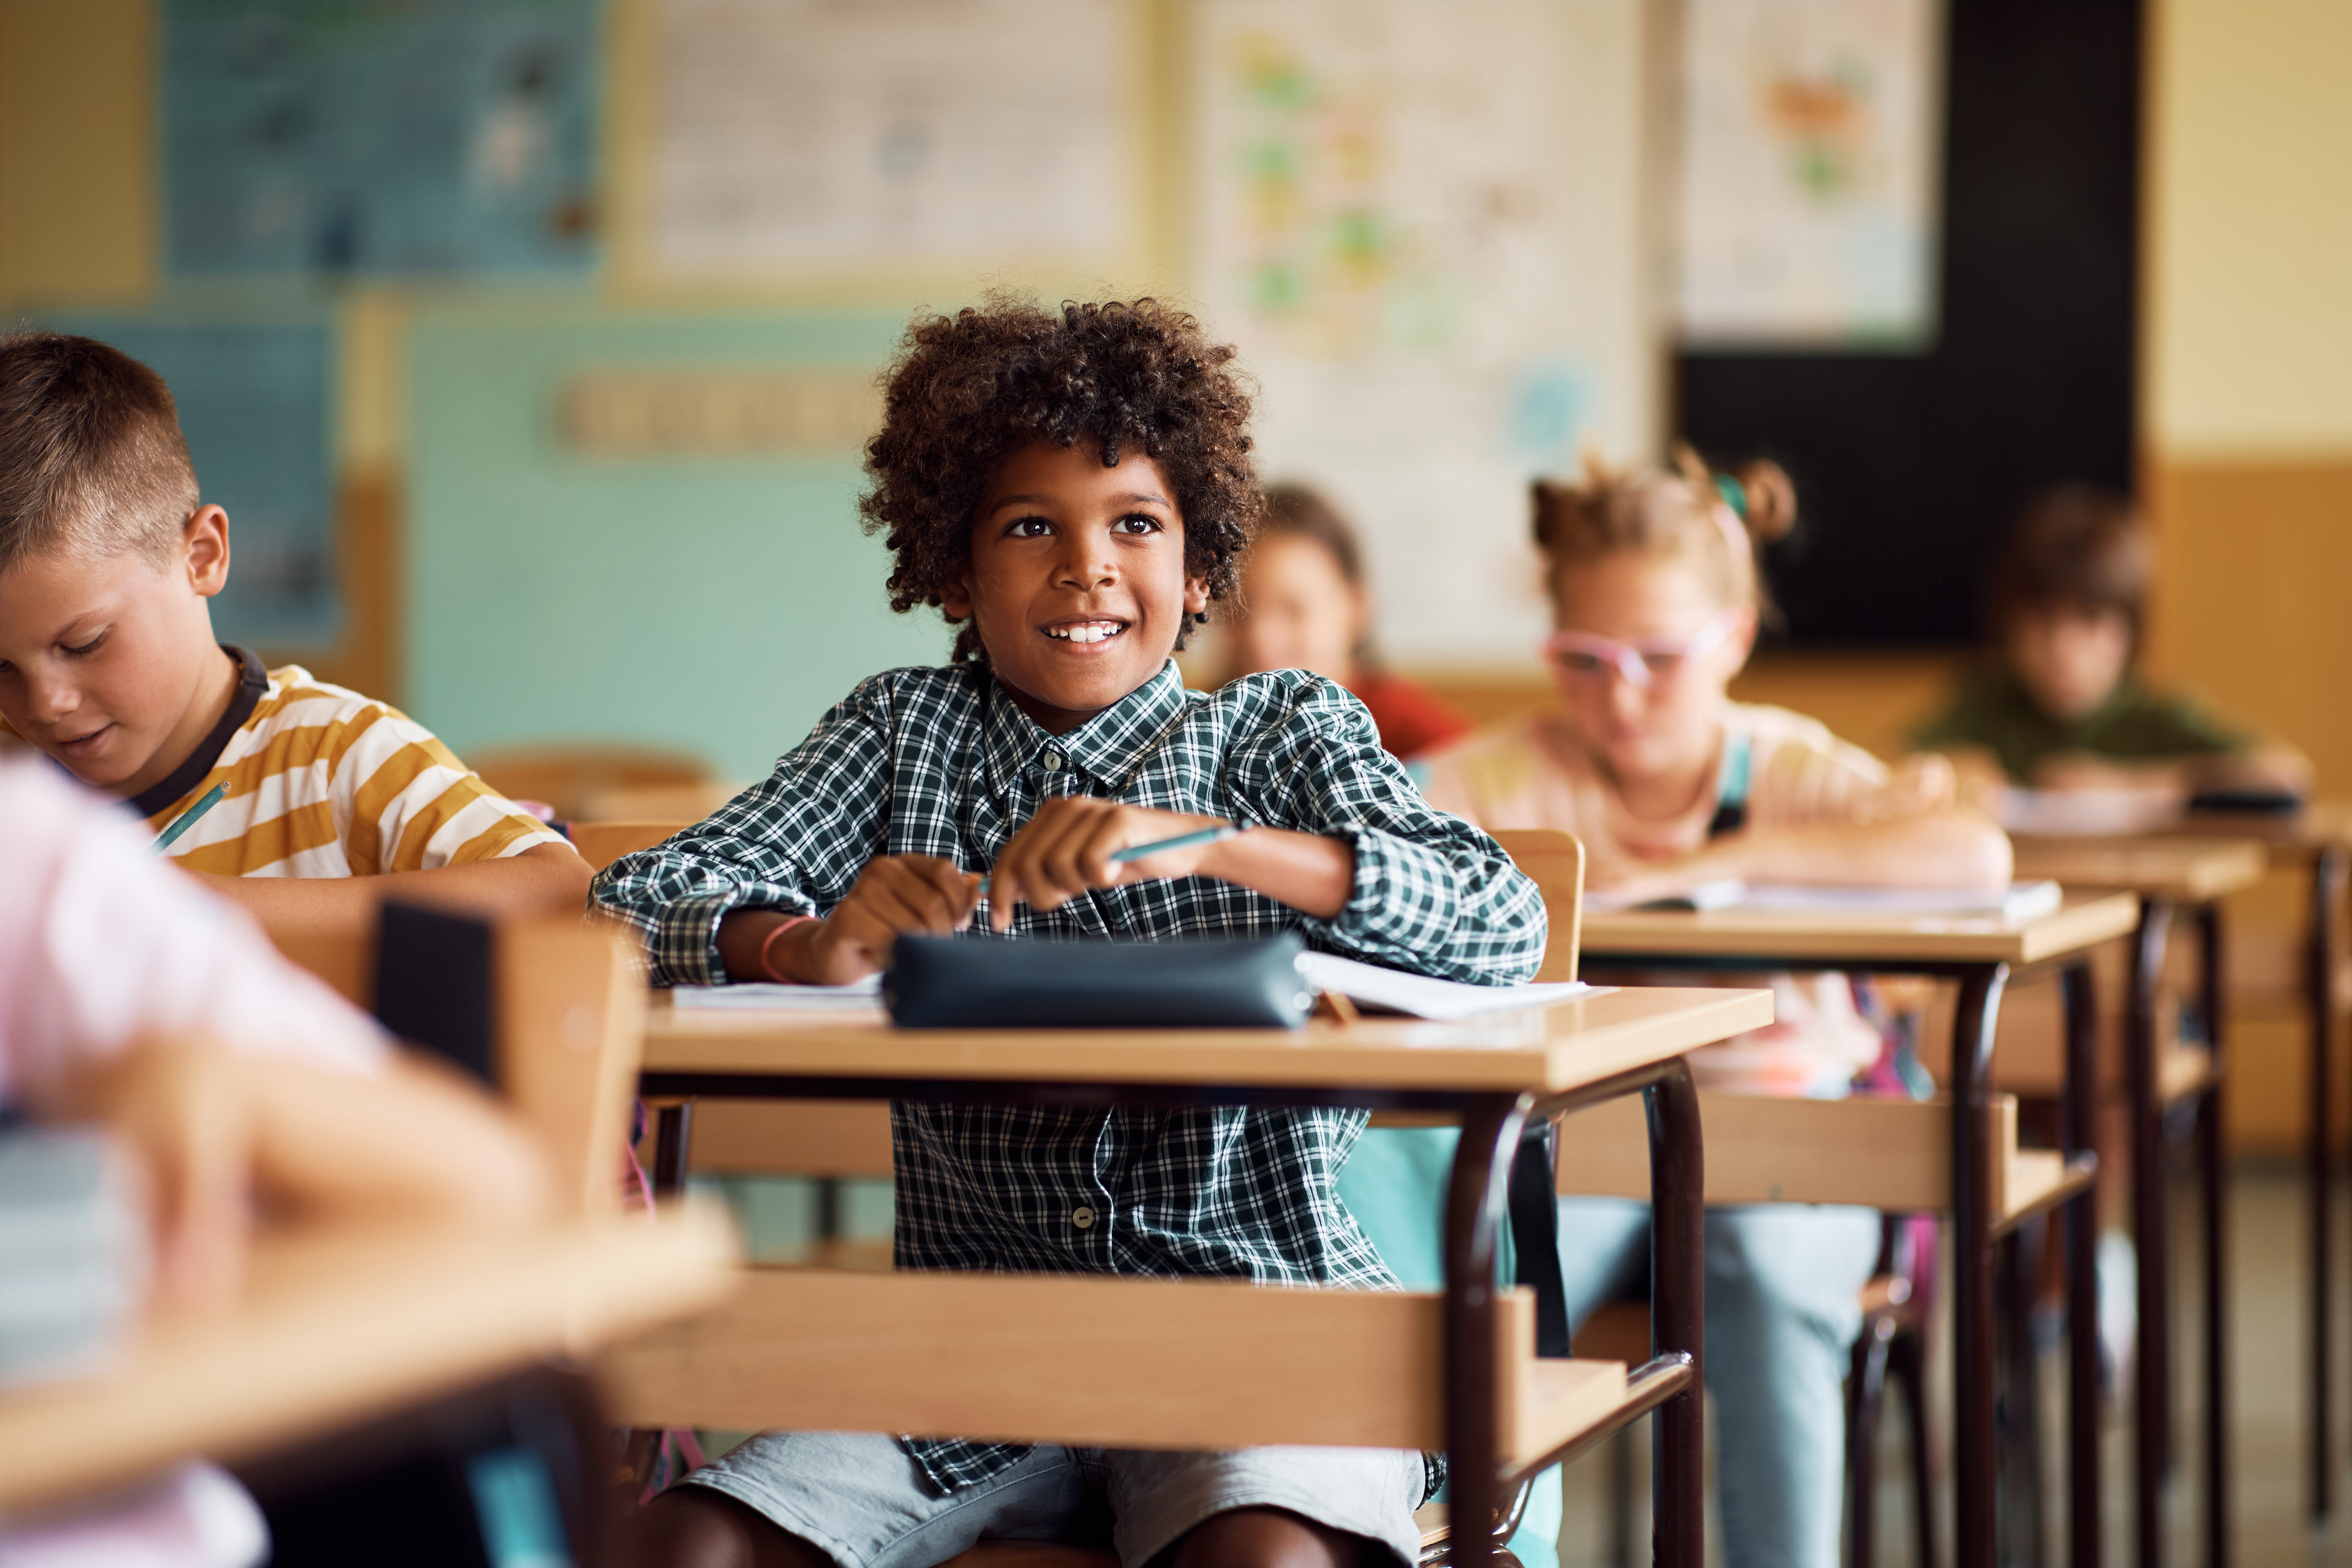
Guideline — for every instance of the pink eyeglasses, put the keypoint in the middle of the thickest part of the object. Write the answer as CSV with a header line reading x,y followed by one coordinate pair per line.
x,y
1585,656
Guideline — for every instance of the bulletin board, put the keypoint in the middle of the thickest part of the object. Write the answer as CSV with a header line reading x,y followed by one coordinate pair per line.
x,y
434,136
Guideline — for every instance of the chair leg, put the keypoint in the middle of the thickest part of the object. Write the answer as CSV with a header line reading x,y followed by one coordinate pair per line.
x,y
1620,1497
1908,1364
1865,1393
2021,1414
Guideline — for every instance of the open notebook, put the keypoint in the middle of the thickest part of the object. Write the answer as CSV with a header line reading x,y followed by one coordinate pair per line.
x,y
1366,984
2018,901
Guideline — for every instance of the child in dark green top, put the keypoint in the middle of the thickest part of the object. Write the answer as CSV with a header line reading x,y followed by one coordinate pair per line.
x,y
2058,705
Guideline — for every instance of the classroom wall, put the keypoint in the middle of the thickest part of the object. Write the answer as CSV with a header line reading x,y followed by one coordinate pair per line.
x,y
2247,407
714,605
2246,432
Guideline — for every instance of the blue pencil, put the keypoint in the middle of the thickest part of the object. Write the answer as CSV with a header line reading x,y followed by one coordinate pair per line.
x,y
187,819
1216,834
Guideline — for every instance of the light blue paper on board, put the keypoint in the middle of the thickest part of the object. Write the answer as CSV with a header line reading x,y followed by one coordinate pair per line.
x,y
371,137
252,405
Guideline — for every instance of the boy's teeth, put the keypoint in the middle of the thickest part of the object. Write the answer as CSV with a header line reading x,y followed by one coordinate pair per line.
x,y
1088,632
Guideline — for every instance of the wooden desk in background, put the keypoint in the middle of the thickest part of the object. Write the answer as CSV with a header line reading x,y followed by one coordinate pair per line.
x,y
1501,1413
340,1327
1983,954
2318,839
2168,873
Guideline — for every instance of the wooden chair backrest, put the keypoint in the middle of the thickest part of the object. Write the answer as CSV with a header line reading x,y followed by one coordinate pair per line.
x,y
1554,859
570,777
602,842
567,1030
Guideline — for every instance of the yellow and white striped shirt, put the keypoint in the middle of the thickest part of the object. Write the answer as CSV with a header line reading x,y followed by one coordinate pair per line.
x,y
323,781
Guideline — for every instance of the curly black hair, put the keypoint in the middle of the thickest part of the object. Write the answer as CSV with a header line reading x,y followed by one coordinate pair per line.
x,y
967,390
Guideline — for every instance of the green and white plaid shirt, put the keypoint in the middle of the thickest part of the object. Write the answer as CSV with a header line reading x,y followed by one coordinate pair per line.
x,y
940,761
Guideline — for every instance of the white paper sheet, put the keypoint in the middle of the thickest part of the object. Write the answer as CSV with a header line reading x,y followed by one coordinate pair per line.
x,y
761,999
1392,990
809,132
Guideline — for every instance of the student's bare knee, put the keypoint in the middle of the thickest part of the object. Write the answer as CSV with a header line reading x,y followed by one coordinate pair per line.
x,y
693,1526
1266,1538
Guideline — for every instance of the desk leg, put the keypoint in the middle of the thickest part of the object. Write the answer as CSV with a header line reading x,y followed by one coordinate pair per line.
x,y
2214,1175
1678,1313
2084,1524
1474,1201
1974,1363
2150,1419
2327,884
673,1137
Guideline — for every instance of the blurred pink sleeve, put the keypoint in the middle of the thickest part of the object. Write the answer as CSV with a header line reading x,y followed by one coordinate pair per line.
x,y
102,944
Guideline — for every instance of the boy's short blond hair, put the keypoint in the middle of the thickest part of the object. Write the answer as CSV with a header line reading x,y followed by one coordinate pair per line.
x,y
91,457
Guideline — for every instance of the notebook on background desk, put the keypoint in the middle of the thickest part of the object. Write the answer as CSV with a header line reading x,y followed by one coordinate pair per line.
x,y
2018,901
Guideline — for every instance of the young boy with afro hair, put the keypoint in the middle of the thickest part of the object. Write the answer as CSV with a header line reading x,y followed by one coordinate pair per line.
x,y
1072,490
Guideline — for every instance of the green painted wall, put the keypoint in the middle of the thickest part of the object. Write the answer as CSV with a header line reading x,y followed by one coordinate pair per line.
x,y
716,606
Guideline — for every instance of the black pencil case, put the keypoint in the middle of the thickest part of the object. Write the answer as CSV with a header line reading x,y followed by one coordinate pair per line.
x,y
945,983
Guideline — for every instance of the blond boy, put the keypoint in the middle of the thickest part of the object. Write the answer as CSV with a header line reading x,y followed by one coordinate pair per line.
x,y
109,558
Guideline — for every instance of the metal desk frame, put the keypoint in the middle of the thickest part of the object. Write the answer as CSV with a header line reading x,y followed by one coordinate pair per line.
x,y
1500,1131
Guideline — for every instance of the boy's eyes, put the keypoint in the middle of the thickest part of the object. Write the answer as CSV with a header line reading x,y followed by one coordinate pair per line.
x,y
88,648
1039,527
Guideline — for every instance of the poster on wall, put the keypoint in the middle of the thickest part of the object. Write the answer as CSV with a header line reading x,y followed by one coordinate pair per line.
x,y
1812,133
1389,216
254,400
808,133
434,136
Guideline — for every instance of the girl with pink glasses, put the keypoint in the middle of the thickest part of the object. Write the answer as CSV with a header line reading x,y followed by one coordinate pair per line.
x,y
1656,595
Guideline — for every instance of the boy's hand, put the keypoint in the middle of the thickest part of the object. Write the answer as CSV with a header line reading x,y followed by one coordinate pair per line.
x,y
895,893
1066,848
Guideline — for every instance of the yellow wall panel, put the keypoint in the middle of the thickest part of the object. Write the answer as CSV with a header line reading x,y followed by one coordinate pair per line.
x,y
2249,315
78,181
2257,561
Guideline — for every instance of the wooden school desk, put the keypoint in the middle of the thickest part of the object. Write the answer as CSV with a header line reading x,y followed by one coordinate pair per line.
x,y
2318,839
341,1326
1983,954
2168,873
1207,1363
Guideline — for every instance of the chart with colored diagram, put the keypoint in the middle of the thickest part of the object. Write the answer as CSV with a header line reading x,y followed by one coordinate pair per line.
x,y
1398,224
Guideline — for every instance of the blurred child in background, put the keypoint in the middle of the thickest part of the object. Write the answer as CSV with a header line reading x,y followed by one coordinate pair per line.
x,y
1305,605
2057,704
1655,597
228,1083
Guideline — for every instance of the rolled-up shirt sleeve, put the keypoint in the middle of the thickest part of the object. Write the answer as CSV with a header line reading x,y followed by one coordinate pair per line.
x,y
794,842
1432,892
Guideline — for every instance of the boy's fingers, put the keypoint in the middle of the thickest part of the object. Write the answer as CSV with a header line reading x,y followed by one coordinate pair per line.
x,y
909,900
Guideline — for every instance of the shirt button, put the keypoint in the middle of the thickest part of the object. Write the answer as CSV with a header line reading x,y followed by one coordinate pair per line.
x,y
1053,760
1082,1217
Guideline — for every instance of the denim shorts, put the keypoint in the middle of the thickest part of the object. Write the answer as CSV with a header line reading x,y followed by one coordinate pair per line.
x,y
860,1497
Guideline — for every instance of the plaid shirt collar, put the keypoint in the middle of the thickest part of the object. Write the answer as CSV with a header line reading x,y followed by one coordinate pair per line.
x,y
1107,748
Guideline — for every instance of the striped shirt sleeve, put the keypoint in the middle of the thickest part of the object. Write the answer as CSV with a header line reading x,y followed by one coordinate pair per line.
x,y
323,781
